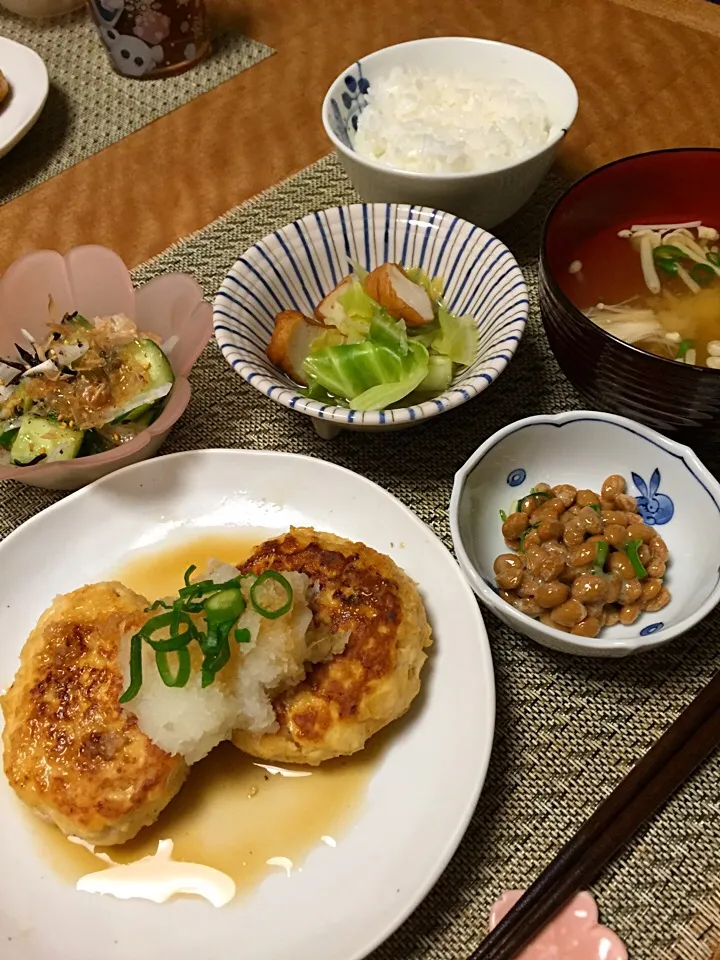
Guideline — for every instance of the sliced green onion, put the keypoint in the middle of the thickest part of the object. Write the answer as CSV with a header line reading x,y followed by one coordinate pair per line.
x,y
702,274
192,595
631,548
160,622
209,672
135,670
221,604
683,349
207,676
542,494
200,589
526,531
172,619
225,605
217,651
159,605
503,516
213,663
596,507
278,578
713,257
666,251
667,266
600,557
181,676
210,641
177,640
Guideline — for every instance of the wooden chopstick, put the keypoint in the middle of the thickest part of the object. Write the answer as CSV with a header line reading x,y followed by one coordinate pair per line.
x,y
651,782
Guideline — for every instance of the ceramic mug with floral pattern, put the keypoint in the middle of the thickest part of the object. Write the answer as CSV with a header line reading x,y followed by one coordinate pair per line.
x,y
147,39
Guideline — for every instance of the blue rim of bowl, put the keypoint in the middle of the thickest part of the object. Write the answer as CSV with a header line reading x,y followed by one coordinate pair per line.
x,y
547,275
413,174
695,467
284,392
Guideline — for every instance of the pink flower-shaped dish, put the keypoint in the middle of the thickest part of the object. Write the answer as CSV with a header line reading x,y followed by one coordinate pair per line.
x,y
94,281
574,934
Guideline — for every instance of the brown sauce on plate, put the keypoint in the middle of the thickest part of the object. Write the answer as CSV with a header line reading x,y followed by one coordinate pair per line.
x,y
231,814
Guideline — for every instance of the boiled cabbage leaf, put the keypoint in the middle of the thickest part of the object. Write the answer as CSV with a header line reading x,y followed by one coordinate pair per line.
x,y
352,312
384,395
426,333
457,339
433,285
360,272
371,376
389,332
439,375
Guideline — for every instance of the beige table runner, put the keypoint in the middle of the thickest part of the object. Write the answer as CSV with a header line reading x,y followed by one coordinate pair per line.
x,y
567,728
89,105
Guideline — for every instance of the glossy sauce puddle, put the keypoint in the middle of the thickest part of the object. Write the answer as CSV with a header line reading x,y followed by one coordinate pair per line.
x,y
231,814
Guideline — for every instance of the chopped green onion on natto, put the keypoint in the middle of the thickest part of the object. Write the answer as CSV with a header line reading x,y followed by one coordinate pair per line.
x,y
221,605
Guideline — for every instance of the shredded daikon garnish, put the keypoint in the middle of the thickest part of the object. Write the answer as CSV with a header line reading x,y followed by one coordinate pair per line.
x,y
430,122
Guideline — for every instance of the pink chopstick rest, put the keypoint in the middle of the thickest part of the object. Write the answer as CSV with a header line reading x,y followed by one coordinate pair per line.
x,y
574,934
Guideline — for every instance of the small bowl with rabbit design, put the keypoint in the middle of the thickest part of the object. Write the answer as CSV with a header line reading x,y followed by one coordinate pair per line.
x,y
675,495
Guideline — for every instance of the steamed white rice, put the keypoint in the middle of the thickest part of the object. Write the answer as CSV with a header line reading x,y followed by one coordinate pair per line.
x,y
428,122
191,720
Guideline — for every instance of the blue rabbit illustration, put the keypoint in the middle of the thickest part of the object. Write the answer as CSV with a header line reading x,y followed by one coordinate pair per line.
x,y
655,508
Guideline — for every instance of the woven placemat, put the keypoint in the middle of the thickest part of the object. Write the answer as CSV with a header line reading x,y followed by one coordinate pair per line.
x,y
567,728
89,106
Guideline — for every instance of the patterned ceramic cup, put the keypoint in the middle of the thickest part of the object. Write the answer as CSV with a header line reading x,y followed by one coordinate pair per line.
x,y
147,39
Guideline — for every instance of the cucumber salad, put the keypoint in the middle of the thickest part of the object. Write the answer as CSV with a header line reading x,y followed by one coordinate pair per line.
x,y
88,386
377,339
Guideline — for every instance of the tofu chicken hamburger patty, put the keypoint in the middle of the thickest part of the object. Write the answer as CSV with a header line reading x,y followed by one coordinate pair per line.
x,y
343,702
80,759
70,752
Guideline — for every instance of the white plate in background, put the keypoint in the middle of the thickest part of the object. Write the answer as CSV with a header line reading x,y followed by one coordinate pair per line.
x,y
27,76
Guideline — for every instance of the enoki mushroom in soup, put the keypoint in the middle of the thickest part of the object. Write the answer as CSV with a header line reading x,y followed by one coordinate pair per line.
x,y
581,560
674,311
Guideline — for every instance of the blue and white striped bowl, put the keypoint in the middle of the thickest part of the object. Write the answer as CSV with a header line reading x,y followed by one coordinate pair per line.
x,y
295,267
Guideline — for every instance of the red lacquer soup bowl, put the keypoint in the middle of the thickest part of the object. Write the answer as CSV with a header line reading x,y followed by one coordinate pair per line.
x,y
667,186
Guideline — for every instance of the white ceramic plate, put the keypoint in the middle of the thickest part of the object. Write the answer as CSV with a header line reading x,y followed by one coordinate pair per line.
x,y
28,78
421,795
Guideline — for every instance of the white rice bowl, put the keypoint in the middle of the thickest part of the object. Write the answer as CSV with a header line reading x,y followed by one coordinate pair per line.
x,y
433,122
